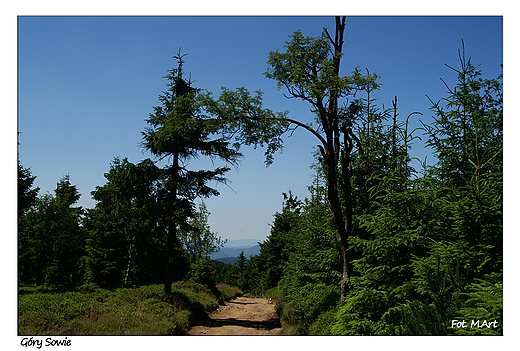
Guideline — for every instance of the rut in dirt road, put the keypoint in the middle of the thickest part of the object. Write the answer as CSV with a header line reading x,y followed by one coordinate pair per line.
x,y
241,316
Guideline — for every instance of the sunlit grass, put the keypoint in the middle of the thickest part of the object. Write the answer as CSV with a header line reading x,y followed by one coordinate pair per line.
x,y
144,310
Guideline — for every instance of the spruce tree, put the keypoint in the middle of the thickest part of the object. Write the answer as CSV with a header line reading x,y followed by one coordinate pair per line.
x,y
180,129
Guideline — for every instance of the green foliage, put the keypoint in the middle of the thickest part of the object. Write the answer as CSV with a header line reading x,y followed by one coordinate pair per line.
x,y
467,133
322,325
361,312
51,240
26,195
139,311
300,256
315,253
356,149
244,121
430,244
268,267
199,241
428,250
484,303
181,129
310,301
124,229
228,292
306,68
202,271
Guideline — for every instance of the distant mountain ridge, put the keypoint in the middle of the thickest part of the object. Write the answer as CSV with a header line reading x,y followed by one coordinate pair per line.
x,y
227,260
242,243
229,253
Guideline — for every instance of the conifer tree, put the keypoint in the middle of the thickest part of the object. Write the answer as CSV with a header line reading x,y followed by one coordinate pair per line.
x,y
180,130
123,226
51,240
26,194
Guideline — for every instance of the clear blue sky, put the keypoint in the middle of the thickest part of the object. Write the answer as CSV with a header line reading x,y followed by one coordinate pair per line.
x,y
87,84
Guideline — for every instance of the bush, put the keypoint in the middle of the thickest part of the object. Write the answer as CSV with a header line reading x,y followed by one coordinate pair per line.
x,y
360,314
202,271
227,292
322,326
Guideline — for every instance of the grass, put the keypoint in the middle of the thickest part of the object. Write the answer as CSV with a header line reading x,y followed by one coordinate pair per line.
x,y
227,292
144,310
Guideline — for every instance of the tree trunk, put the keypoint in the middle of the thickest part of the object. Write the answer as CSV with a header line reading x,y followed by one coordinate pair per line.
x,y
171,235
129,262
170,239
342,220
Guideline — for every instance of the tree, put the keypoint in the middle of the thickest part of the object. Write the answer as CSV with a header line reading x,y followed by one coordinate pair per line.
x,y
435,247
467,132
275,250
241,264
124,239
309,70
200,241
466,241
180,129
26,195
51,240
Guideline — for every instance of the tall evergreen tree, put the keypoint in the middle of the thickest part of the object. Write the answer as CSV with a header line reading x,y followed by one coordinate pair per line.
x,y
180,130
467,132
26,194
51,240
435,247
123,238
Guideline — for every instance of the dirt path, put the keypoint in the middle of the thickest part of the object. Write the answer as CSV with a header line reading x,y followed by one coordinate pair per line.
x,y
241,316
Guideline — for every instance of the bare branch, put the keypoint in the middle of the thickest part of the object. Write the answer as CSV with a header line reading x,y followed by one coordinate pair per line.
x,y
328,35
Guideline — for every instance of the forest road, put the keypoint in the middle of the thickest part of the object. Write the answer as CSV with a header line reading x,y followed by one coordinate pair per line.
x,y
241,316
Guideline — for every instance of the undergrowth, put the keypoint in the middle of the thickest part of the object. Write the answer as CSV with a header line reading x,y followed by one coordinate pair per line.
x,y
144,310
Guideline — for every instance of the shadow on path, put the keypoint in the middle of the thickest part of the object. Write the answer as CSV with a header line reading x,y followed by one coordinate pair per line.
x,y
268,324
241,316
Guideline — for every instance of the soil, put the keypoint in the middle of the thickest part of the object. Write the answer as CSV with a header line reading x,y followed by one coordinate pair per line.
x,y
241,316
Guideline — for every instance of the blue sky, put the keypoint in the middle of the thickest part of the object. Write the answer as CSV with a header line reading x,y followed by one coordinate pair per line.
x,y
87,84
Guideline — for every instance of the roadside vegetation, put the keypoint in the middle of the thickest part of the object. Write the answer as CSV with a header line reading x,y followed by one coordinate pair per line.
x,y
144,310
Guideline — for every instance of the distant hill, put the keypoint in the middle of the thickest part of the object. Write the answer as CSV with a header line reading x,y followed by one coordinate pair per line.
x,y
227,260
242,243
229,253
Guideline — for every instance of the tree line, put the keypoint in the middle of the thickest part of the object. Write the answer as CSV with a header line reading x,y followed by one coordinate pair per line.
x,y
378,248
